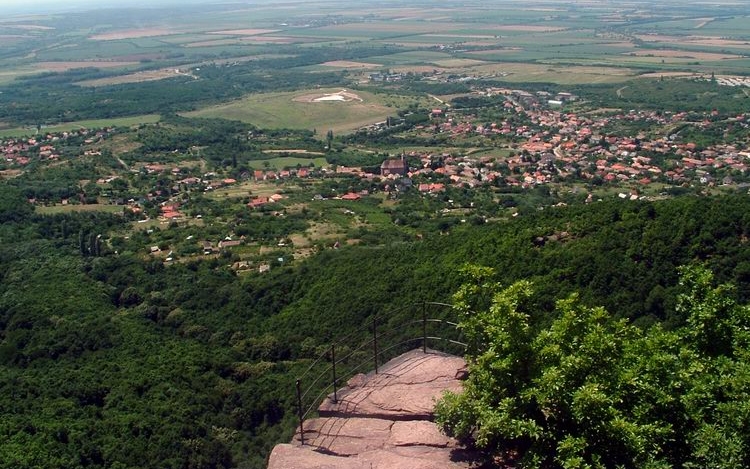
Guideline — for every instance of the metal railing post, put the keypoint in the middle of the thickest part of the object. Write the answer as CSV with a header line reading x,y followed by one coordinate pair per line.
x,y
424,327
375,341
392,338
333,364
300,413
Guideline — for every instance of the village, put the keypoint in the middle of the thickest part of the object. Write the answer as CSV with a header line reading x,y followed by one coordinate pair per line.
x,y
535,142
540,143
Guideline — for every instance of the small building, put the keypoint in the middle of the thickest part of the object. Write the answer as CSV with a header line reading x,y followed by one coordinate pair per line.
x,y
223,244
258,202
350,196
394,166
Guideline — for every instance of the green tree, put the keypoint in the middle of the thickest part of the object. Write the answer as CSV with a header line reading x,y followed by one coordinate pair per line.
x,y
13,205
592,392
329,138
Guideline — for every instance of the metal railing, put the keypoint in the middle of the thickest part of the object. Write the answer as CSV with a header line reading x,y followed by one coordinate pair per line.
x,y
349,355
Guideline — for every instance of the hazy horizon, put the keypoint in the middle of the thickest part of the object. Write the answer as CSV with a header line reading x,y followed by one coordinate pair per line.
x,y
55,6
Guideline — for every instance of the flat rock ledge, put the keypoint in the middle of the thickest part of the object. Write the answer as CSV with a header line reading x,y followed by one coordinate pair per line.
x,y
383,420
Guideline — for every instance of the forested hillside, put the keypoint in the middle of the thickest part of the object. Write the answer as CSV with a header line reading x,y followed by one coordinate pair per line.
x,y
112,359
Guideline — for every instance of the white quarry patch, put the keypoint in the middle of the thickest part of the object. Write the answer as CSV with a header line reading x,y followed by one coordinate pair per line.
x,y
330,97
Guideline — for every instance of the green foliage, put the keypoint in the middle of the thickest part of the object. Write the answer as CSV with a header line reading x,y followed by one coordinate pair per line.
x,y
190,363
592,392
13,205
675,94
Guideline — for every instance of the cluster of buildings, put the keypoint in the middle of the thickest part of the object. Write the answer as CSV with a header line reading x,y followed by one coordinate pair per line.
x,y
19,152
550,145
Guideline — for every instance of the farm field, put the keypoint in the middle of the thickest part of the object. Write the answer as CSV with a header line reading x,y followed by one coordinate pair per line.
x,y
304,110
244,190
282,162
555,43
86,124
71,208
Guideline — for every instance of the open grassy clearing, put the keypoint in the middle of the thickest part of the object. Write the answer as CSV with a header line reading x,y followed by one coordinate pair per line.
x,y
253,40
660,65
9,74
458,63
348,64
244,32
518,71
384,29
70,65
137,77
363,212
130,50
561,74
119,144
410,58
246,189
133,34
494,153
714,44
721,27
70,208
282,162
294,110
182,39
170,72
10,173
87,124
683,54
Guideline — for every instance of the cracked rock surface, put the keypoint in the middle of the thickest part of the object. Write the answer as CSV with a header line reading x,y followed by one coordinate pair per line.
x,y
382,420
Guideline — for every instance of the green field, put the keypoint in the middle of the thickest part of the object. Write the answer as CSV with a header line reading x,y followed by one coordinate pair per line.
x,y
282,162
87,124
57,209
293,110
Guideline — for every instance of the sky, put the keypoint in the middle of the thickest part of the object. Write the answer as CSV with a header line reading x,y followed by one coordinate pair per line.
x,y
51,6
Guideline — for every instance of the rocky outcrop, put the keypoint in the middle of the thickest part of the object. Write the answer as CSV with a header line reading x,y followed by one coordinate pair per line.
x,y
382,420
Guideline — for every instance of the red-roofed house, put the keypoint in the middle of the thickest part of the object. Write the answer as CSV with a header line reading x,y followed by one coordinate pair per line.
x,y
258,202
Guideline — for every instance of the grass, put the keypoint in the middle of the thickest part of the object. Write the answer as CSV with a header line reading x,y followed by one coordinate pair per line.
x,y
560,74
287,162
246,189
410,58
87,124
58,209
9,74
293,110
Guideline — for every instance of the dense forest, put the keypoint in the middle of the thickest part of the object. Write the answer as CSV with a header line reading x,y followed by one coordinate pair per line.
x,y
194,364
